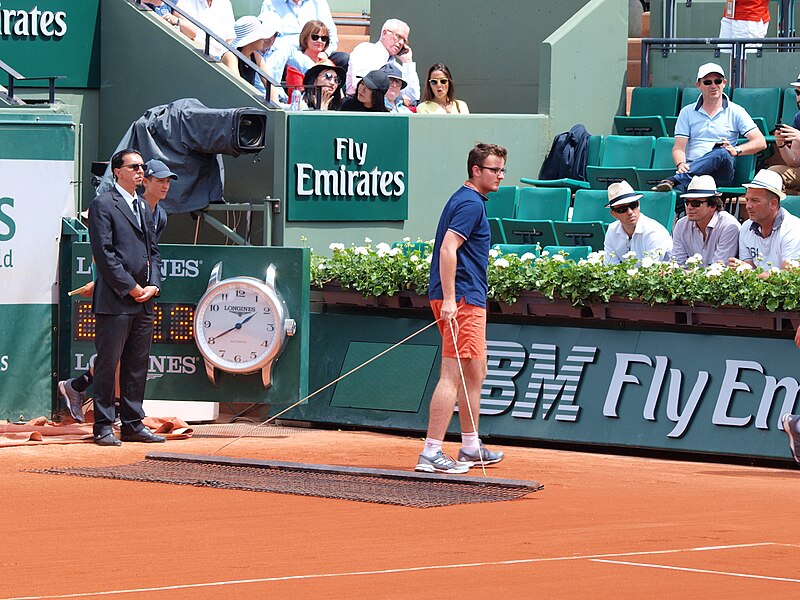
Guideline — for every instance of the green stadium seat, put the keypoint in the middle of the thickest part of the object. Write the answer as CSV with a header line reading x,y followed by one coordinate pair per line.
x,y
763,104
573,252
659,206
590,205
744,171
661,168
788,106
544,204
649,107
518,249
621,155
523,231
792,204
592,158
496,230
573,233
503,202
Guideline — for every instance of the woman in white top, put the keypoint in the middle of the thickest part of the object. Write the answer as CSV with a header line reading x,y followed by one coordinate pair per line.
x,y
440,93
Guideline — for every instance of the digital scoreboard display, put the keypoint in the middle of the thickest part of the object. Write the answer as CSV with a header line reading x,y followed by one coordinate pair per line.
x,y
173,323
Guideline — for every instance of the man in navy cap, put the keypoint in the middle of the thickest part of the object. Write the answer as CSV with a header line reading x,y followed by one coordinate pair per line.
x,y
157,179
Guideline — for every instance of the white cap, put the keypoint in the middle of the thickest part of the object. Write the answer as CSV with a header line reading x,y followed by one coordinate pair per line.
x,y
768,180
796,82
709,68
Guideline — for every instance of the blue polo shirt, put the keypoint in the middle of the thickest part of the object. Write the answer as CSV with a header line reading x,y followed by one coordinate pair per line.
x,y
465,215
703,131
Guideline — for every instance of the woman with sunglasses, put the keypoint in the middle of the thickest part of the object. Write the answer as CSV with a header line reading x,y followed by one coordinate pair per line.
x,y
322,85
314,41
439,97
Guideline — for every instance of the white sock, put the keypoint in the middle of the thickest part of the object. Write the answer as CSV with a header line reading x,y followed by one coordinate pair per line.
x,y
431,448
470,441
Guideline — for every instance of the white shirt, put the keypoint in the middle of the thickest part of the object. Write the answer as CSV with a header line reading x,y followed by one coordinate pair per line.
x,y
649,237
293,17
129,200
720,244
218,18
368,57
781,245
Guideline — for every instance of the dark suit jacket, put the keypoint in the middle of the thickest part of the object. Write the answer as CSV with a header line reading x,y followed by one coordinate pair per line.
x,y
121,251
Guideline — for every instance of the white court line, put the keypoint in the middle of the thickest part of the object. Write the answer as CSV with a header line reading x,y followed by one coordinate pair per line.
x,y
671,568
521,561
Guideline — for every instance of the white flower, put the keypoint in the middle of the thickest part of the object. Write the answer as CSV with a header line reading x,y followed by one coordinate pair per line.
x,y
420,267
793,264
596,258
361,250
558,258
322,266
630,254
395,251
383,249
429,259
501,263
545,253
647,262
413,258
494,253
715,269
632,272
774,270
367,240
695,259
743,267
406,239
336,247
528,256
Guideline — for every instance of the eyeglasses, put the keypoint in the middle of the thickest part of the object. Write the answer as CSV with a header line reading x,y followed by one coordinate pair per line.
x,y
710,81
495,170
331,77
442,81
621,210
135,166
320,38
398,37
695,203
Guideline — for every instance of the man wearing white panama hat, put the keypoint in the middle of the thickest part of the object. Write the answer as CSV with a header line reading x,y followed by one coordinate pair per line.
x,y
706,229
633,231
770,238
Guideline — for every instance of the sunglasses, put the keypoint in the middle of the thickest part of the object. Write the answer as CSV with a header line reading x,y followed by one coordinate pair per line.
x,y
331,77
621,210
442,81
320,38
797,91
695,203
134,166
710,81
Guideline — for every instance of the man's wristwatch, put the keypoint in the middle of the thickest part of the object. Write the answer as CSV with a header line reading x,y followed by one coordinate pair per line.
x,y
738,151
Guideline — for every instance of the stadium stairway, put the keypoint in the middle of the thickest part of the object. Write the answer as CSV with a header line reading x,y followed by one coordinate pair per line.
x,y
635,60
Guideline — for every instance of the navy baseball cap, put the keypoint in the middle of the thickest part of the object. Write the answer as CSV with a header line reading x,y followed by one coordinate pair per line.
x,y
392,71
156,168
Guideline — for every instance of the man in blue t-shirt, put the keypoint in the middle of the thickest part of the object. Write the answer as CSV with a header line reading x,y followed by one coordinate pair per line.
x,y
457,293
787,139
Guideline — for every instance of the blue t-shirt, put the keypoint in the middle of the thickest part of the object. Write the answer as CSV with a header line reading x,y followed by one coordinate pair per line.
x,y
162,10
796,122
465,215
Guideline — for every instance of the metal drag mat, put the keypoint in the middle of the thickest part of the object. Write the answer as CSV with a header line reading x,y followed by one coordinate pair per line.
x,y
406,488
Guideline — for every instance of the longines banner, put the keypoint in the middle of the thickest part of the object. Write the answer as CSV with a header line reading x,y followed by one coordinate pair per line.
x,y
52,37
347,168
36,171
678,391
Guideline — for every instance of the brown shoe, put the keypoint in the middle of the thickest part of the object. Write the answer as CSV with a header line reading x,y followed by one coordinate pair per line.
x,y
665,185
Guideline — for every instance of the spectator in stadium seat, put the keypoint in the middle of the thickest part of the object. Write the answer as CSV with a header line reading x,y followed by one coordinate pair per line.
x,y
706,229
323,87
394,102
293,16
440,93
633,231
315,40
217,16
253,39
770,238
744,19
370,94
165,12
391,47
787,139
706,134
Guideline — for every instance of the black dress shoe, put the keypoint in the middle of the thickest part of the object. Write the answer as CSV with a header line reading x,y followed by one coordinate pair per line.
x,y
107,439
145,435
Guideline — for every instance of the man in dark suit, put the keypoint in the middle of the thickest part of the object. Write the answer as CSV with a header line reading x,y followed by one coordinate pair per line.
x,y
128,263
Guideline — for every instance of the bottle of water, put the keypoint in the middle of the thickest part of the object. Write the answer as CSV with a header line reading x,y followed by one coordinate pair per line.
x,y
296,95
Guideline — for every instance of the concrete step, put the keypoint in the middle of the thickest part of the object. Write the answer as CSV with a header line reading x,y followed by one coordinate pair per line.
x,y
634,48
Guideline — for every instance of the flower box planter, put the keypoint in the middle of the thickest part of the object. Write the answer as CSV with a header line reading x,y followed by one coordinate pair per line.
x,y
539,305
333,293
735,316
625,309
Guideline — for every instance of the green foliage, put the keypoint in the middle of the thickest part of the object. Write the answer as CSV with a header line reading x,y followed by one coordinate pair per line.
x,y
382,269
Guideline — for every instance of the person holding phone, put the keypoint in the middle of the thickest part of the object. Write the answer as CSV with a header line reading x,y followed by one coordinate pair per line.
x,y
787,139
707,134
391,47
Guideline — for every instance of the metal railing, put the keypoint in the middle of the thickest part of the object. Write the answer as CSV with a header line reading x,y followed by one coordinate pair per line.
x,y
14,76
737,47
786,13
206,49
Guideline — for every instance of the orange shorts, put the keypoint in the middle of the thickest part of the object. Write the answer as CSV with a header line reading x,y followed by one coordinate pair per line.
x,y
470,330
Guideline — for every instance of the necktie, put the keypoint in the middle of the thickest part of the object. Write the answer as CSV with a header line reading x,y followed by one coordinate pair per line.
x,y
136,213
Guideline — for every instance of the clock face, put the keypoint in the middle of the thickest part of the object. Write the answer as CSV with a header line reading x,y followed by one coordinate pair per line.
x,y
238,325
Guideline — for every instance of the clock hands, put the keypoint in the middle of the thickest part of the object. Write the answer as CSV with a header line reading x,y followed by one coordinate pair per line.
x,y
237,326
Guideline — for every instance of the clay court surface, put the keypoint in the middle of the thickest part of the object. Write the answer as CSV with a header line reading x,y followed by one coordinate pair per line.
x,y
603,527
